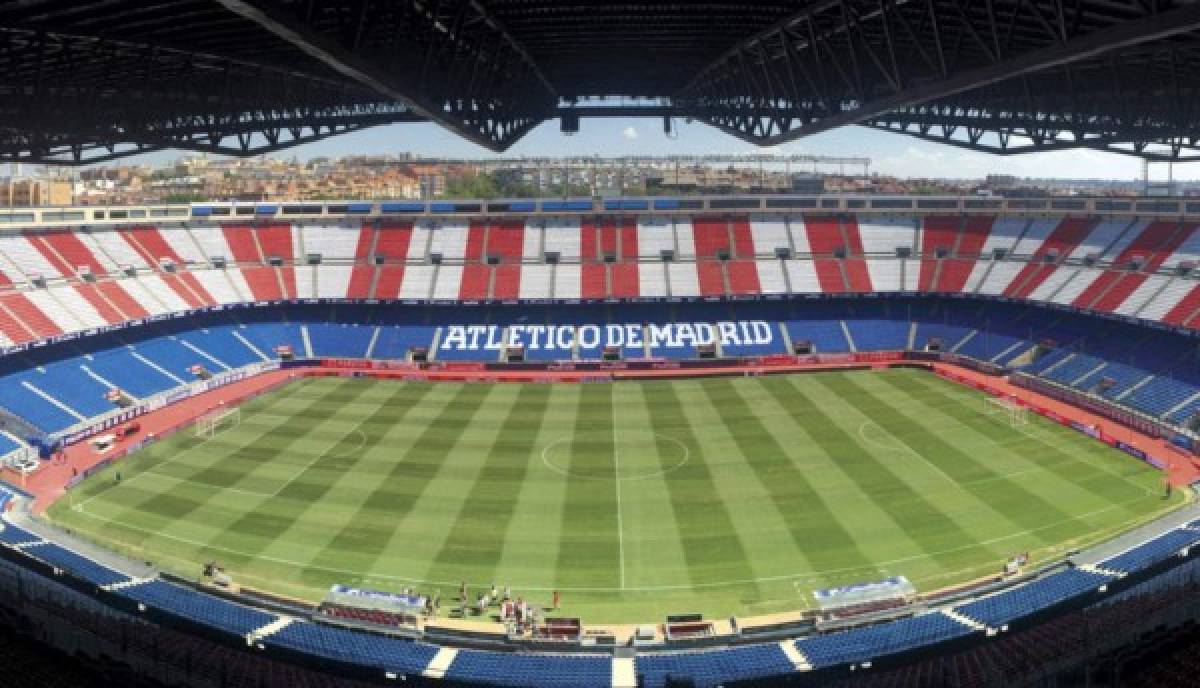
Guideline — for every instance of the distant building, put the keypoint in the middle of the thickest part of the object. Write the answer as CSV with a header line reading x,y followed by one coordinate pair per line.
x,y
29,193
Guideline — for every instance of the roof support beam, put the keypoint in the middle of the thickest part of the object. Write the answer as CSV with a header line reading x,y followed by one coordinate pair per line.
x,y
477,82
865,72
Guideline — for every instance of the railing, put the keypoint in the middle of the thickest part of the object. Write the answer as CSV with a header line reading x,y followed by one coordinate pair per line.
x,y
795,203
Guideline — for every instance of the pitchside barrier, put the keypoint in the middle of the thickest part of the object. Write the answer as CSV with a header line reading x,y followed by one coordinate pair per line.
x,y
167,431
103,422
1089,430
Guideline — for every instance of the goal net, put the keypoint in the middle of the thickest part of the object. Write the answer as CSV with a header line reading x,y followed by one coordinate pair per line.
x,y
1010,410
210,424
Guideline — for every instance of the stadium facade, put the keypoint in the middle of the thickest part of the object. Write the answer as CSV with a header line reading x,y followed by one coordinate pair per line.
x,y
106,314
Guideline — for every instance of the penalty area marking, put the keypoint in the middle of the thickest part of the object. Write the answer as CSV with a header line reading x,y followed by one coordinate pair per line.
x,y
809,576
901,445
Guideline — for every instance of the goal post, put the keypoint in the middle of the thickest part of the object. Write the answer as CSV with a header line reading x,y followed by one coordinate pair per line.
x,y
208,425
1010,409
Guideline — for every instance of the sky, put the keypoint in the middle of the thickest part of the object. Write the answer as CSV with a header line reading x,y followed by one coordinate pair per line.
x,y
891,154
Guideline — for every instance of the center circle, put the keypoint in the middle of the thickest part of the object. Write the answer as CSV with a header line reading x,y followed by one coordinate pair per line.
x,y
623,455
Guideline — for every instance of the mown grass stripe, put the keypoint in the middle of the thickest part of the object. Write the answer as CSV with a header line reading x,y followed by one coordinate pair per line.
x,y
173,506
589,547
262,527
814,528
710,541
1006,496
1082,474
366,534
476,539
931,529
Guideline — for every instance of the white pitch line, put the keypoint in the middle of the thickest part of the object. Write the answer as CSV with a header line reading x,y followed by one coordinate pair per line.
x,y
620,521
809,576
903,447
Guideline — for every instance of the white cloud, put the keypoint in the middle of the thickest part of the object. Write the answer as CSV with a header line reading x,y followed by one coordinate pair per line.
x,y
630,133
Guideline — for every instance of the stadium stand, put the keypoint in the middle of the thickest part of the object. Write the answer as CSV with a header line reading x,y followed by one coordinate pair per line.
x,y
870,642
196,606
1082,264
662,669
1024,600
518,669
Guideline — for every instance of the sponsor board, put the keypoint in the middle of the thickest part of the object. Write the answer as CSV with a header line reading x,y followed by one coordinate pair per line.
x,y
566,338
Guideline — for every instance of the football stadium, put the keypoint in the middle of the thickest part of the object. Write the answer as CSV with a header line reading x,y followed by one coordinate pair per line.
x,y
603,434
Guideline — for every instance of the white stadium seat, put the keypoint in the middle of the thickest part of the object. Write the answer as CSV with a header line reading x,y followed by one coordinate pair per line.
x,y
532,241
1142,295
450,240
1002,274
1075,286
1168,299
881,236
184,244
333,281
803,276
306,277
211,240
418,281
1034,236
155,285
27,258
567,281
217,284
768,234
563,235
685,239
652,279
885,273
655,235
770,277
335,242
110,249
536,281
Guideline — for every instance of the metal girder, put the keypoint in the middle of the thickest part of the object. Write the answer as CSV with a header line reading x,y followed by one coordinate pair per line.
x,y
843,62
1145,104
77,99
469,74
242,134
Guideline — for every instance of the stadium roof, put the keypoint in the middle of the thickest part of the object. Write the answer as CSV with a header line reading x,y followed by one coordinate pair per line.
x,y
84,80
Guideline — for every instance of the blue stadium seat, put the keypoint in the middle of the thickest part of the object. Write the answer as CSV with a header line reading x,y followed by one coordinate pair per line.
x,y
219,342
123,370
713,667
395,341
1152,552
340,341
7,444
366,649
15,535
826,336
81,566
197,606
869,642
513,669
1024,600
879,335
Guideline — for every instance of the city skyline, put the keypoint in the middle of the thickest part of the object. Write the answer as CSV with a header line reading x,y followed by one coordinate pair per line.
x,y
891,154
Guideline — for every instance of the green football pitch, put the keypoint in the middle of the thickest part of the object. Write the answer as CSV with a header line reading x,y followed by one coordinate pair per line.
x,y
634,499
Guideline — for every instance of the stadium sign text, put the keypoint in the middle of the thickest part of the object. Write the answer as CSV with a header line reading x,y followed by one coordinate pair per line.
x,y
629,335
